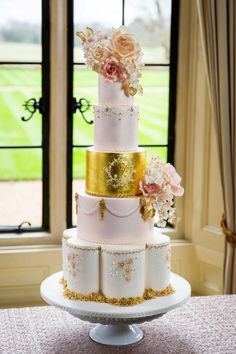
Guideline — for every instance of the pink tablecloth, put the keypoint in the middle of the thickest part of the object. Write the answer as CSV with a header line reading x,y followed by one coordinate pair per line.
x,y
203,325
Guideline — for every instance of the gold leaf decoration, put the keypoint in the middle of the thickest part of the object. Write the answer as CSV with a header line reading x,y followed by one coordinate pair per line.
x,y
102,208
82,36
147,209
76,202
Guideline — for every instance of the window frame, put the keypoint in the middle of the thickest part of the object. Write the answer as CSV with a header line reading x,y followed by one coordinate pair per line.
x,y
45,87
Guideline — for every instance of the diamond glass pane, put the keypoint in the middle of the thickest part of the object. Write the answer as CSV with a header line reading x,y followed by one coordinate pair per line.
x,y
99,15
150,22
18,84
154,106
20,30
20,186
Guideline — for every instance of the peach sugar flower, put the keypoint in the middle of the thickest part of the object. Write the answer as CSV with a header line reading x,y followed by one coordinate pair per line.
x,y
124,44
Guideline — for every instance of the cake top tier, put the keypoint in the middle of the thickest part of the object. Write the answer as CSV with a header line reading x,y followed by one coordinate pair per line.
x,y
117,58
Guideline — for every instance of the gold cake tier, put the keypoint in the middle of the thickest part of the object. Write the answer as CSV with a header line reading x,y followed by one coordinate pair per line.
x,y
114,174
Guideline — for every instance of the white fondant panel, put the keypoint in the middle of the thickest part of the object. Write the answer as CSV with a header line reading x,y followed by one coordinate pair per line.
x,y
158,266
111,93
116,128
117,270
67,234
82,267
122,222
122,273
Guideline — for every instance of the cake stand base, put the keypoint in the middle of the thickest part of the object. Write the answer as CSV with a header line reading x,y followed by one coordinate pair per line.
x,y
116,322
116,334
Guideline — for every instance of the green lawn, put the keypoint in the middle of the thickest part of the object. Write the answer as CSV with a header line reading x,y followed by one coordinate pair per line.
x,y
18,84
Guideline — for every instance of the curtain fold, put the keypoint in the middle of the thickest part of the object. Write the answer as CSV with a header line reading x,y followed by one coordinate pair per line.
x,y
218,30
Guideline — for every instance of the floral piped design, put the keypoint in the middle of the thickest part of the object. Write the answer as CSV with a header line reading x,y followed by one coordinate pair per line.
x,y
124,268
74,264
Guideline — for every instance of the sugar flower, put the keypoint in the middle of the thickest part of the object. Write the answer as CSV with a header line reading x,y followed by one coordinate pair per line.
x,y
160,184
117,58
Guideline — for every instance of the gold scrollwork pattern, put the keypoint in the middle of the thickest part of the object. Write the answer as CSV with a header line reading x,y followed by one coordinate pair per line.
x,y
114,174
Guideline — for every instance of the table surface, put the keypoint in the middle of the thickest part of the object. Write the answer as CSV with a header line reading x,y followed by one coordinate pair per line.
x,y
203,325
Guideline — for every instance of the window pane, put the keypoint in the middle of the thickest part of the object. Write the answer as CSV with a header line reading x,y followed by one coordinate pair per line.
x,y
17,84
85,86
153,106
149,21
20,186
20,30
161,151
99,15
79,160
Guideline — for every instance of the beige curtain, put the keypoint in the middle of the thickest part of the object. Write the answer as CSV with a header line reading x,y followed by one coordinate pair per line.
x,y
218,29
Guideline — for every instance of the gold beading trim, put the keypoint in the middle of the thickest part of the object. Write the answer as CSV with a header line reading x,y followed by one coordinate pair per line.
x,y
130,301
155,247
118,166
83,248
121,253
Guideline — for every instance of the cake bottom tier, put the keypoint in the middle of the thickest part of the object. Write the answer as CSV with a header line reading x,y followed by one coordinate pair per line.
x,y
116,274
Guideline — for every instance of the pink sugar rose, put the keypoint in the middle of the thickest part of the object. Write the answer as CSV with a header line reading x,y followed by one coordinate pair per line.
x,y
151,188
174,180
113,70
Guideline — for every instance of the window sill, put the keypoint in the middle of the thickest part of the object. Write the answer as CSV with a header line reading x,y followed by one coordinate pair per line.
x,y
28,239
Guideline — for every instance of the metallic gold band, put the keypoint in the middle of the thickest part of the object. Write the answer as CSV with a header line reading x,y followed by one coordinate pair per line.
x,y
114,174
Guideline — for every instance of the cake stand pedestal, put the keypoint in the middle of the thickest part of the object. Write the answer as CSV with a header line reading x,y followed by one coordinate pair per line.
x,y
116,323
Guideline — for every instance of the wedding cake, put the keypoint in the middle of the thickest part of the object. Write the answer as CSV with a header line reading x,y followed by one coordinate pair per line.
x,y
115,254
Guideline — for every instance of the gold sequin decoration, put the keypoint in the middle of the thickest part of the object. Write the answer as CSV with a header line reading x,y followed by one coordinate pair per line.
x,y
130,301
102,208
147,209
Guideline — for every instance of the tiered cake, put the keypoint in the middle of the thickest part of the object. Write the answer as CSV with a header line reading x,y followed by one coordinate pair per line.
x,y
115,254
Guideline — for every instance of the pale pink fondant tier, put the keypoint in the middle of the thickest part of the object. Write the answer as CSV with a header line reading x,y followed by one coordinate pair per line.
x,y
120,222
116,128
111,93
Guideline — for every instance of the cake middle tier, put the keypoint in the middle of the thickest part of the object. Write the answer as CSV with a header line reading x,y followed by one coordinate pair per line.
x,y
114,174
116,128
113,220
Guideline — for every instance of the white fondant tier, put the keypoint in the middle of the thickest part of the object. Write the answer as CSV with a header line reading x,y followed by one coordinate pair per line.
x,y
121,223
118,271
111,94
116,128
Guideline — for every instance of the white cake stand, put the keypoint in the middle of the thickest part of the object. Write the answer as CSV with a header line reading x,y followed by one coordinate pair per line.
x,y
116,323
